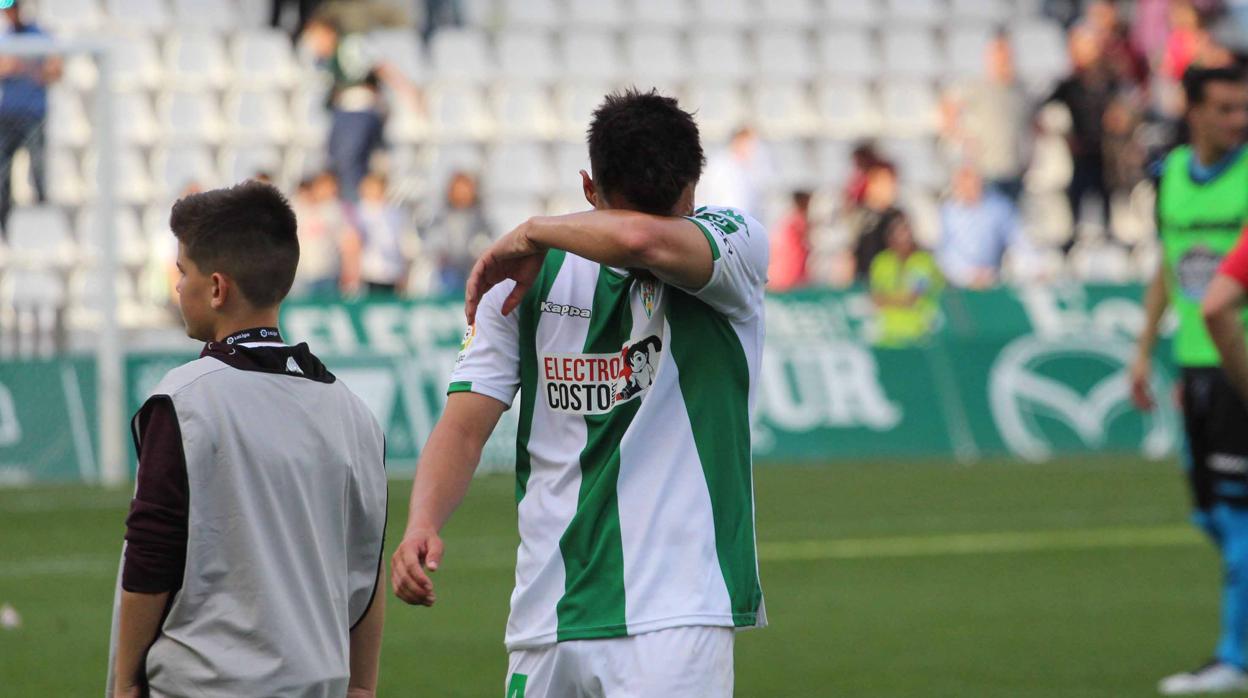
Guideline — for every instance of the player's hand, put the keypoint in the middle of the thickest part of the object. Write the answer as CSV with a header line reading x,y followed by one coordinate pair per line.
x,y
513,256
419,554
1141,387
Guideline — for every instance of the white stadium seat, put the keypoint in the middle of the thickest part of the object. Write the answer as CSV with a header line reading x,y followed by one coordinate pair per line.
x,y
244,162
719,55
927,13
461,55
909,108
178,167
575,105
70,17
967,49
1039,50
785,54
257,116
719,108
983,11
191,117
151,16
524,112
783,110
64,180
918,162
129,241
847,109
598,14
648,14
849,54
134,119
196,61
445,160
723,13
459,114
263,59
570,159
136,63
40,237
506,212
788,13
310,116
531,14
655,57
853,13
792,168
833,162
518,169
67,124
527,56
591,55
401,49
406,124
132,181
197,15
912,53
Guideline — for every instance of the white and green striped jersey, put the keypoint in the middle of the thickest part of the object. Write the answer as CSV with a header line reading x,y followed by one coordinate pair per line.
x,y
634,477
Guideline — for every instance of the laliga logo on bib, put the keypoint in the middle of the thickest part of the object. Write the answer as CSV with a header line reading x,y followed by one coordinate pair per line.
x,y
1043,391
596,383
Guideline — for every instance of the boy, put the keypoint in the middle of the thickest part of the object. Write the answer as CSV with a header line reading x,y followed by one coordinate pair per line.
x,y
253,544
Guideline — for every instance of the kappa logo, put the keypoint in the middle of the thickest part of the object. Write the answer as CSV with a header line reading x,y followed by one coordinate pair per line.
x,y
568,310
1034,379
597,383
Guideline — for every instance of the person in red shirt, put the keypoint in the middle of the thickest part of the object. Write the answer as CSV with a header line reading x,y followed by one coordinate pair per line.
x,y
1223,307
790,247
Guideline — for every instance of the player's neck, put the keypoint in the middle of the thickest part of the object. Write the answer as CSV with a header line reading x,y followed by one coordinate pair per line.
x,y
1208,154
244,321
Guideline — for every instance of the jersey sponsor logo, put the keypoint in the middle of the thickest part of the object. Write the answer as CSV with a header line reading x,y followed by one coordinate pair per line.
x,y
568,310
465,344
596,383
1196,269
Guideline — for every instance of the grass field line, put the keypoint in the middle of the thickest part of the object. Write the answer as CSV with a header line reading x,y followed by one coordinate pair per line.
x,y
939,545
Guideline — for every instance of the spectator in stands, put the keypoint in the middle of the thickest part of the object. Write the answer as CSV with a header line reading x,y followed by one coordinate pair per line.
x,y
987,122
355,100
905,287
790,247
737,176
304,9
385,239
863,158
977,226
439,14
1087,93
23,108
1127,64
329,246
872,221
457,234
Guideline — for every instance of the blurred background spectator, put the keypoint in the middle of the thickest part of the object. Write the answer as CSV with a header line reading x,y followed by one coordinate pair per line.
x,y
456,235
905,287
977,226
329,245
386,239
871,221
23,109
790,247
739,174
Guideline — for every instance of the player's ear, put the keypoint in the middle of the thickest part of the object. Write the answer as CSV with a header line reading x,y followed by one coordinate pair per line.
x,y
587,185
220,290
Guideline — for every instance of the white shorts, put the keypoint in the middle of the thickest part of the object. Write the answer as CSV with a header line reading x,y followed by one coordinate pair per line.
x,y
687,662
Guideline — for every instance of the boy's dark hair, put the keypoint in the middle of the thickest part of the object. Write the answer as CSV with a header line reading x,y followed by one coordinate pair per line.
x,y
1195,79
644,149
247,232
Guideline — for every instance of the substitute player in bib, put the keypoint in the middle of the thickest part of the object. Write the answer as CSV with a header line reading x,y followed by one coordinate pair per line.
x,y
1202,205
253,544
633,334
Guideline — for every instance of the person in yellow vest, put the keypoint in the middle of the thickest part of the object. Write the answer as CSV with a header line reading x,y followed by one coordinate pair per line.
x,y
1202,205
905,287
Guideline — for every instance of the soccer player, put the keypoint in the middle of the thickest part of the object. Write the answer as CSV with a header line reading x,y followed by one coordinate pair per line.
x,y
1202,204
254,540
633,334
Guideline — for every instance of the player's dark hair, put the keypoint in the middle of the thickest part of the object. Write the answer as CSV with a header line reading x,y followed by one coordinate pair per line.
x,y
1195,79
247,232
644,149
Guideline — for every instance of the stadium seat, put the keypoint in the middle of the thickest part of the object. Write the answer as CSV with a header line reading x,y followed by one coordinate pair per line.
x,y
132,182
988,12
64,179
784,54
923,208
718,108
197,15
400,48
461,55
783,110
1046,217
518,169
527,56
590,55
444,160
787,13
133,119
196,61
720,55
967,45
87,303
136,63
458,114
80,73
919,165
151,16
736,14
524,112
792,168
912,53
1100,263
40,238
570,159
596,14
846,109
1039,50
129,241
38,295
849,54
649,14
575,105
406,124
522,15
190,117
310,116
655,57
257,116
70,17
909,109
926,13
177,168
853,13
833,162
263,60
244,162
67,123
505,213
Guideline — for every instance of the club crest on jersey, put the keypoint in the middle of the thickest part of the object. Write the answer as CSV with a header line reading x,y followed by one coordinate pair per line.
x,y
466,344
649,295
596,383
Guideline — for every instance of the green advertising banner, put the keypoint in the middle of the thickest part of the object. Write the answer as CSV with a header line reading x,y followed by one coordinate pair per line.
x,y
1026,373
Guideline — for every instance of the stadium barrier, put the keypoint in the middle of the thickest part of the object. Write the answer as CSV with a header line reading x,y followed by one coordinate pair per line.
x,y
1013,373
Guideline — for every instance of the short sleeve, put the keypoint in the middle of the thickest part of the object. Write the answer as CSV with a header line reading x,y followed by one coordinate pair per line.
x,y
489,361
1235,265
739,254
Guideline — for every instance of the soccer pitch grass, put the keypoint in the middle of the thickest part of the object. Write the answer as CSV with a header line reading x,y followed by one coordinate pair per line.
x,y
1078,578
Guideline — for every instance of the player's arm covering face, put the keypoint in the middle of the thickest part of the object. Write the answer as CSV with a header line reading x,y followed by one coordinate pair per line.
x,y
739,254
